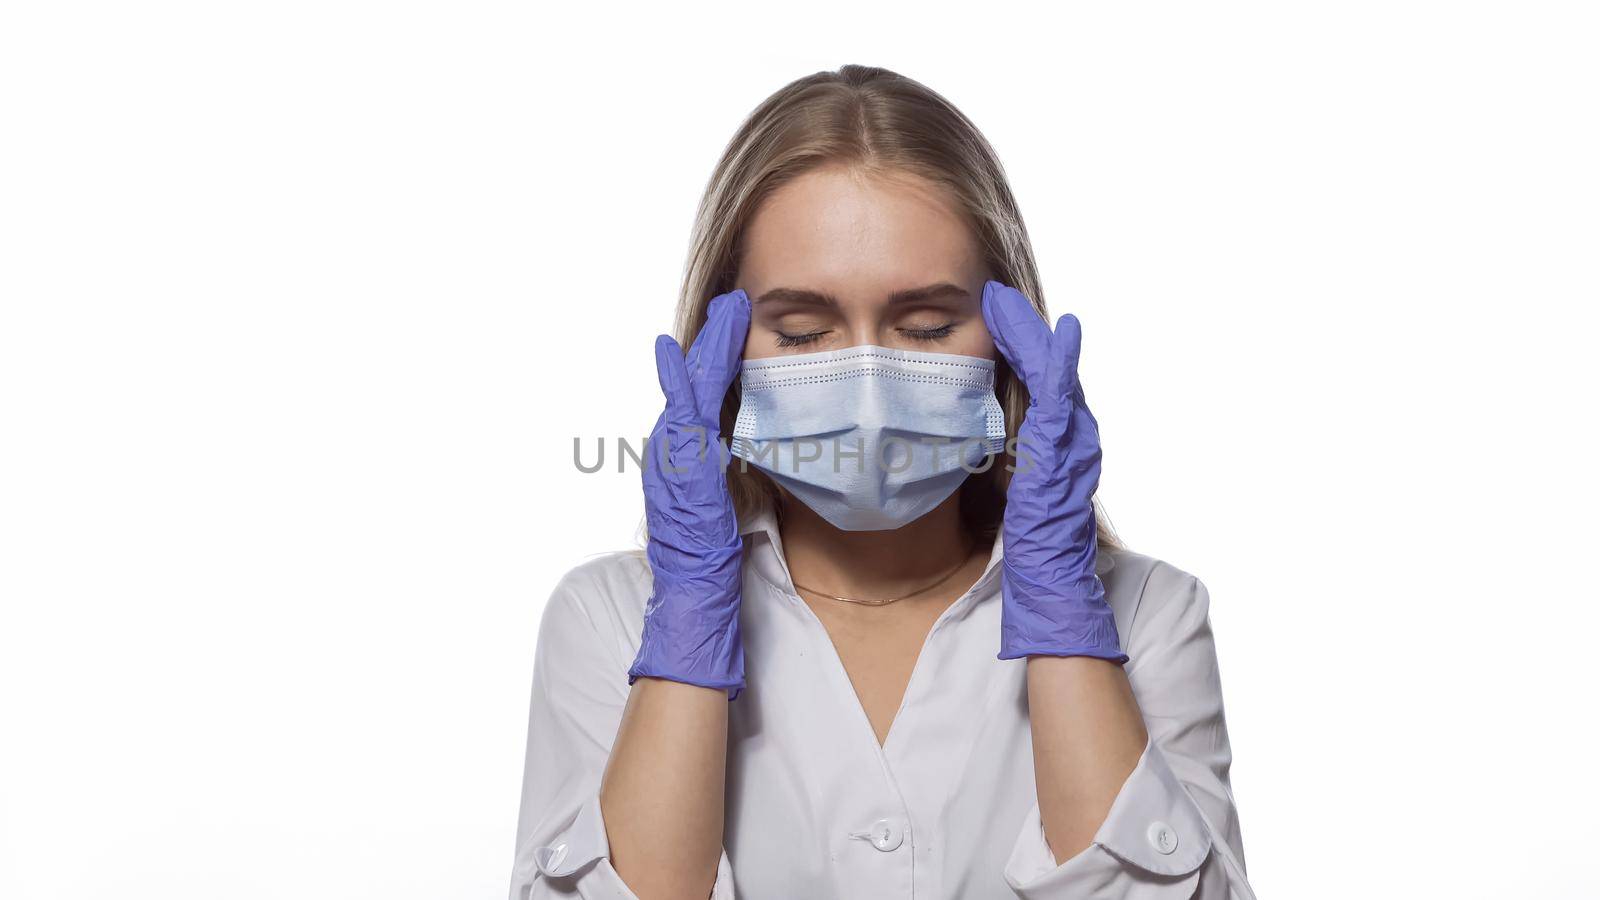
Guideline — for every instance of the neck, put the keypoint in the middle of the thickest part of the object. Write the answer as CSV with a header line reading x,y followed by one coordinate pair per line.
x,y
872,563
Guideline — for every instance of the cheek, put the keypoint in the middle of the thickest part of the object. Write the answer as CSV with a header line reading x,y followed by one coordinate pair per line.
x,y
760,343
974,341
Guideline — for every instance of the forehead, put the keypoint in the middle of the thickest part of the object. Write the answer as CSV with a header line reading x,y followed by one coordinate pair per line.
x,y
843,227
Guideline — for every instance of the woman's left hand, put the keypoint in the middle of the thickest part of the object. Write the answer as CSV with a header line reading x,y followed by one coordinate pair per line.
x,y
1053,602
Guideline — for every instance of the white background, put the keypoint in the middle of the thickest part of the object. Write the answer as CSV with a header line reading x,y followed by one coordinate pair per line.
x,y
305,302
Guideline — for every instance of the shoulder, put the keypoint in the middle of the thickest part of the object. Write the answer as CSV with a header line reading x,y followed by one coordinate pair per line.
x,y
604,594
1147,594
614,576
588,635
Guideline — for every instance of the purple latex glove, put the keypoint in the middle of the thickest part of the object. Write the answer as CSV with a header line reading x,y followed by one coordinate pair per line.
x,y
691,623
1053,603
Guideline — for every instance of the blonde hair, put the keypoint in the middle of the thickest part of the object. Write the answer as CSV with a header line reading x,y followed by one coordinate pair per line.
x,y
880,123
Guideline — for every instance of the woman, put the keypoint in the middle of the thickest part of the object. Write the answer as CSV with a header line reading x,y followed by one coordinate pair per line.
x,y
882,648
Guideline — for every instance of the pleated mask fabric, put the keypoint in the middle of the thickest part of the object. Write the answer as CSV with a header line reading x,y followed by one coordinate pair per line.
x,y
869,437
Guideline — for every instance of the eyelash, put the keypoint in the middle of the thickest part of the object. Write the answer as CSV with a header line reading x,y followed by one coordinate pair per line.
x,y
796,340
929,334
916,334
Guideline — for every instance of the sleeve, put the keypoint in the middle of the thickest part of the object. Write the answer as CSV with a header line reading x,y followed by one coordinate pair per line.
x,y
580,686
1173,830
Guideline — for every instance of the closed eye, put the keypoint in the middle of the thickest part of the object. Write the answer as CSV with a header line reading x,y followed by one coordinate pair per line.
x,y
797,340
929,334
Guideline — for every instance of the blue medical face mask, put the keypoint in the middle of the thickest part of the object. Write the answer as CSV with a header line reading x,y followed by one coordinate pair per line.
x,y
868,437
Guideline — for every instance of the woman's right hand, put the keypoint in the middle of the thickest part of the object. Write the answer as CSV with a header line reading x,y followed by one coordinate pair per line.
x,y
691,623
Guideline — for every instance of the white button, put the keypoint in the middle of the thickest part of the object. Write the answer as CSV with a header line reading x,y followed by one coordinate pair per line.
x,y
548,858
886,834
1162,837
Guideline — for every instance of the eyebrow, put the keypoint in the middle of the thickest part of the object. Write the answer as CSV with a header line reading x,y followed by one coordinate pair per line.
x,y
943,290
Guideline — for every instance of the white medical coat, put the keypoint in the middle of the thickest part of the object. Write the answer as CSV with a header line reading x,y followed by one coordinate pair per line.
x,y
944,808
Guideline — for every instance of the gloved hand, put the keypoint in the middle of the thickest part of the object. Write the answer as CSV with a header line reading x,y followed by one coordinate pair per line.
x,y
1053,603
691,623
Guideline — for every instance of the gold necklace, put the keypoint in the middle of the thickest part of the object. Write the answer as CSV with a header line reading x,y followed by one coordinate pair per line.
x,y
922,590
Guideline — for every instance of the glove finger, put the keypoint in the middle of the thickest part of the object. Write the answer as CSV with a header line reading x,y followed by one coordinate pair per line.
x,y
714,356
1065,346
1019,332
674,378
